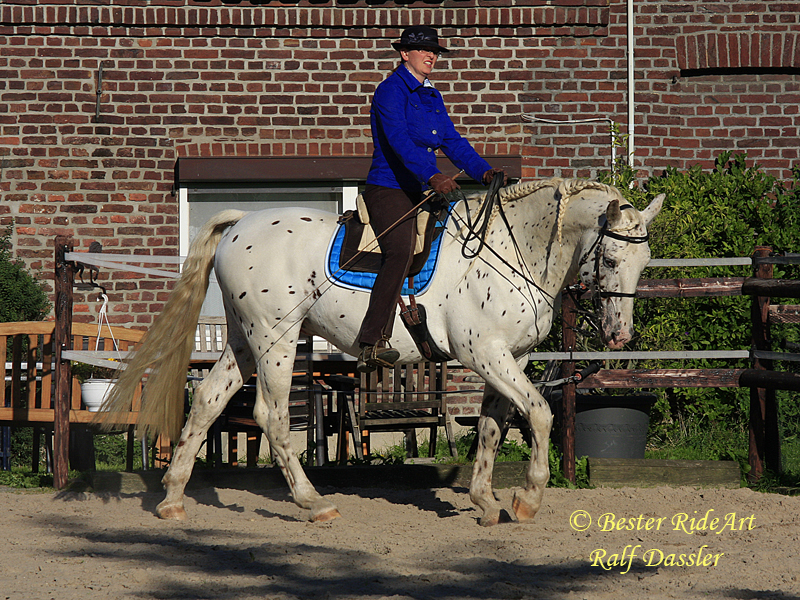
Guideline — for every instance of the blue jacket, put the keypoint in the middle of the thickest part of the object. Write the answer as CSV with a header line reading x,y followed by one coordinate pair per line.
x,y
409,123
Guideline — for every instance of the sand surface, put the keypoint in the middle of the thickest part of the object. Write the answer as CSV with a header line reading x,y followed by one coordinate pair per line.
x,y
401,544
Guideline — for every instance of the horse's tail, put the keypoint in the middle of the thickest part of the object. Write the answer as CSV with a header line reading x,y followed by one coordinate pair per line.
x,y
167,347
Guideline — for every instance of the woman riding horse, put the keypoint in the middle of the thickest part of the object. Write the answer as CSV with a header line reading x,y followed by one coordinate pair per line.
x,y
409,124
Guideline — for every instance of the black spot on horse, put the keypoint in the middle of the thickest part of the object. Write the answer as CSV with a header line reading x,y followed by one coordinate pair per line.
x,y
236,237
242,295
275,222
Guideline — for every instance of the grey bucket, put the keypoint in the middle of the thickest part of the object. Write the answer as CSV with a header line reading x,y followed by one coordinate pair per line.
x,y
612,426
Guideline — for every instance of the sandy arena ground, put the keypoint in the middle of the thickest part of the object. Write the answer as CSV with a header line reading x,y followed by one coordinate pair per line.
x,y
401,544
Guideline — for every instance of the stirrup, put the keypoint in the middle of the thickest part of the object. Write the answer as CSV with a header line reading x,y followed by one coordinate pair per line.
x,y
372,357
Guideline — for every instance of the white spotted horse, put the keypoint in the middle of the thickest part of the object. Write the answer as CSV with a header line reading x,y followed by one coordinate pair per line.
x,y
489,305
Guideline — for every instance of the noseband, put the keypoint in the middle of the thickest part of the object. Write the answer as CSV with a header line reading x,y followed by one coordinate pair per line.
x,y
596,247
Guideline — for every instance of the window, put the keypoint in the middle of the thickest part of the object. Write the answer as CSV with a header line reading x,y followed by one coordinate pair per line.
x,y
200,201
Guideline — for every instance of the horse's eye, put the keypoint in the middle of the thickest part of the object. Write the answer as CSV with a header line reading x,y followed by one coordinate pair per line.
x,y
609,263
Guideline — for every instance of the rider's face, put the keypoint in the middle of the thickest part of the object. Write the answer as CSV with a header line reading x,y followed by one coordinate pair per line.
x,y
420,62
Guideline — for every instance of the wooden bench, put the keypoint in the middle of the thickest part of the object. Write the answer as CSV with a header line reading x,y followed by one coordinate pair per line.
x,y
27,351
401,399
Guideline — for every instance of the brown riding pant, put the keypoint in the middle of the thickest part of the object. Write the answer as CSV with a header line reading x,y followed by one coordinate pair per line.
x,y
396,231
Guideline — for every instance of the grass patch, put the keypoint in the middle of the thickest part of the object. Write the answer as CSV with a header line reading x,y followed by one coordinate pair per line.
x,y
509,451
20,478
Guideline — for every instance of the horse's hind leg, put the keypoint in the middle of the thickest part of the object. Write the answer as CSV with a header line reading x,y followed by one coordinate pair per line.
x,y
272,414
210,398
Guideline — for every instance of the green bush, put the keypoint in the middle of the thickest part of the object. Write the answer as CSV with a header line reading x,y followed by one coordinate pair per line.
x,y
724,212
22,297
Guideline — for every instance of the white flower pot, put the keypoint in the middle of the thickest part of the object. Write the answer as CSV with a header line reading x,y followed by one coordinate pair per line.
x,y
94,393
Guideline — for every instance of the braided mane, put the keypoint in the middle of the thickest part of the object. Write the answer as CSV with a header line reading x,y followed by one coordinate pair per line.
x,y
567,188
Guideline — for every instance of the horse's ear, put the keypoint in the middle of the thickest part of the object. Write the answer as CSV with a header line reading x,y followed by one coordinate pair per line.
x,y
651,211
613,214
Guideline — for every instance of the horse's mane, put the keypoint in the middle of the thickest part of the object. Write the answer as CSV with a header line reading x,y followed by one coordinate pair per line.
x,y
567,188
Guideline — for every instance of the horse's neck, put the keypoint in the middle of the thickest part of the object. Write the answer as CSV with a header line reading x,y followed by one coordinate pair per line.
x,y
551,262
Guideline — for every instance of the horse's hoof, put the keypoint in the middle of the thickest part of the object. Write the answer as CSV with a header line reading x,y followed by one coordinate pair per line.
x,y
524,510
490,518
328,515
172,512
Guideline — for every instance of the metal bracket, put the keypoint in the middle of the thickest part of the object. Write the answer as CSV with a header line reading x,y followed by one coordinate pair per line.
x,y
98,92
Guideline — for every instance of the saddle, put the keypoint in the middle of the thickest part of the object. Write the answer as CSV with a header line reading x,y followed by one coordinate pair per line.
x,y
361,251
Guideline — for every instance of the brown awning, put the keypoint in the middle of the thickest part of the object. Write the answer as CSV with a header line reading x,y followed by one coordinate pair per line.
x,y
305,168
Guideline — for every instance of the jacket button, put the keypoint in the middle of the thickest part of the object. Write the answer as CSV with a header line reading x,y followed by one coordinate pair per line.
x,y
430,149
433,132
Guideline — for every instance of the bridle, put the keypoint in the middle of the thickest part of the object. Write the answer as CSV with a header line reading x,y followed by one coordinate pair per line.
x,y
596,247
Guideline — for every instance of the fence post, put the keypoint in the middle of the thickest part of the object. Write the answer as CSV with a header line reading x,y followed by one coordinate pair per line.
x,y
568,323
764,443
63,371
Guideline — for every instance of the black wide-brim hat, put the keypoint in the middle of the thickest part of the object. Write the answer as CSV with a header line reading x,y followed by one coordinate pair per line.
x,y
419,36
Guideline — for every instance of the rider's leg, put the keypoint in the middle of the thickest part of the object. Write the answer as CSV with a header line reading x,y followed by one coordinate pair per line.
x,y
394,221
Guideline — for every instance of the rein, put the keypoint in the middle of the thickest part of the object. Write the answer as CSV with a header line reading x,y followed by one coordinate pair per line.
x,y
479,230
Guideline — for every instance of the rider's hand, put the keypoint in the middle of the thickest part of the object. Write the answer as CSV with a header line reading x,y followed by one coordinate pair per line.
x,y
491,174
442,184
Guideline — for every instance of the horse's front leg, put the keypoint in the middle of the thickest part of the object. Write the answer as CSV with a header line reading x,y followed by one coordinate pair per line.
x,y
506,379
528,500
272,414
494,409
210,398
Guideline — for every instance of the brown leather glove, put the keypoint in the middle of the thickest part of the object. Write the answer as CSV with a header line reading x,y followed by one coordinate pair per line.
x,y
491,174
442,184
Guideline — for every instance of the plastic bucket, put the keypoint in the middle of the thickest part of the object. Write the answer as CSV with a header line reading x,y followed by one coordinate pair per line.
x,y
612,426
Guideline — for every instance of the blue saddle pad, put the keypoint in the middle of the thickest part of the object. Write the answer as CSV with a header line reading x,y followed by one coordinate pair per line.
x,y
355,280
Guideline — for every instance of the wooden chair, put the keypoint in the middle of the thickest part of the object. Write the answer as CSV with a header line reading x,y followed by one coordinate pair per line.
x,y
405,398
28,394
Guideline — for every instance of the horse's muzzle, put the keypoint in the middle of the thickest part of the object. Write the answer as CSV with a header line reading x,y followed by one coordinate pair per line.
x,y
618,337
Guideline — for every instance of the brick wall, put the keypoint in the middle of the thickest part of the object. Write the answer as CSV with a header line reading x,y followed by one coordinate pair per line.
x,y
708,77
184,78
197,79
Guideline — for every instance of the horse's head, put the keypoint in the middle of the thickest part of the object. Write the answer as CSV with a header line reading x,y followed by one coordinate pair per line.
x,y
613,265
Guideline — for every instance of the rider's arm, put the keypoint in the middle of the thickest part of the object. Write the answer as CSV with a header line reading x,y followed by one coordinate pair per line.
x,y
458,149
